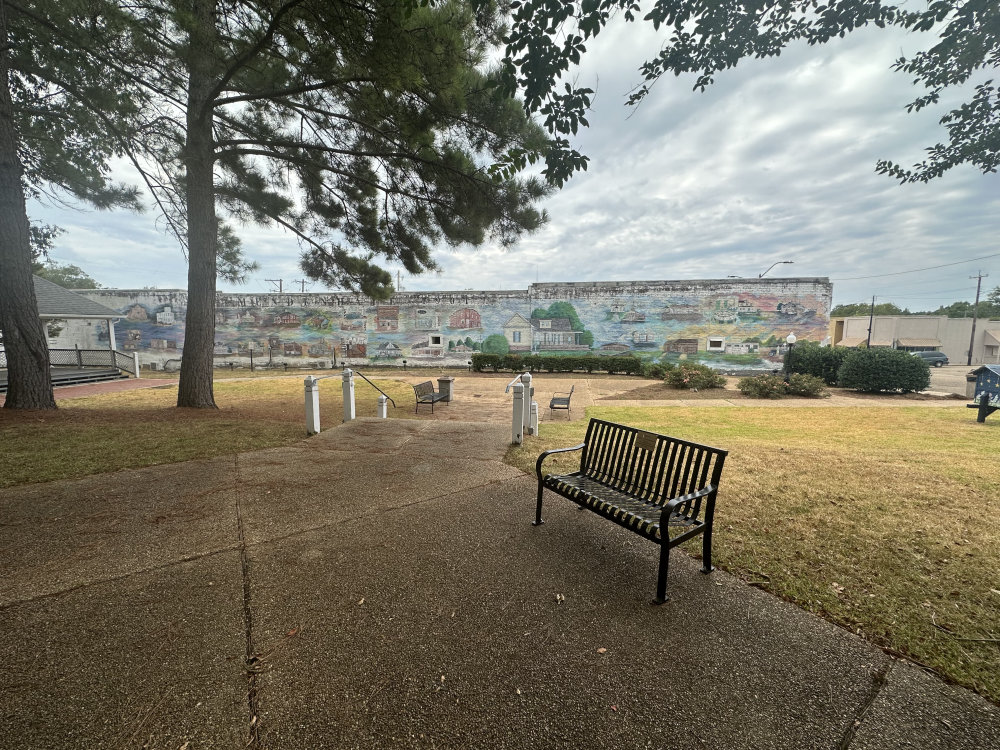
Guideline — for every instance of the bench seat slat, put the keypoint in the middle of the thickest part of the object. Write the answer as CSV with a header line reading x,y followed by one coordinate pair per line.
x,y
623,509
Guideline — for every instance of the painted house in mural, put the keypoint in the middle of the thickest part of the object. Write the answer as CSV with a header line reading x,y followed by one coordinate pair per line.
x,y
165,317
426,320
517,331
555,334
387,318
465,318
387,350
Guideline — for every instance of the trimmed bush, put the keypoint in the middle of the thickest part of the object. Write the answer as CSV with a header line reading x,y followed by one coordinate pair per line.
x,y
485,362
696,377
809,358
884,371
656,371
807,386
763,386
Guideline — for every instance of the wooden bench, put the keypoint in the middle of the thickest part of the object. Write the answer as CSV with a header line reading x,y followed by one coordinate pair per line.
x,y
645,482
425,394
561,400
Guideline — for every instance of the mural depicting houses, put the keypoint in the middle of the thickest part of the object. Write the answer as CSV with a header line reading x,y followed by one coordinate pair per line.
x,y
555,334
426,320
517,331
387,350
465,318
387,318
707,320
165,317
136,313
681,346
681,311
433,347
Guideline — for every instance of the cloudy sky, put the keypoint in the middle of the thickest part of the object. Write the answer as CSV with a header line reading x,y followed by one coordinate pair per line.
x,y
775,162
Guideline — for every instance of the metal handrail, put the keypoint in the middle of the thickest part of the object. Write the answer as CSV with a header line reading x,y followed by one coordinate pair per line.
x,y
515,380
375,387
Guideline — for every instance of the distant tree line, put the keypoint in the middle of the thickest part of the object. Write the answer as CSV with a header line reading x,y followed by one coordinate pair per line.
x,y
988,308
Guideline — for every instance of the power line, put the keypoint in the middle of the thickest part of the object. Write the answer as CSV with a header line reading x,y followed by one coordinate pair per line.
x,y
918,270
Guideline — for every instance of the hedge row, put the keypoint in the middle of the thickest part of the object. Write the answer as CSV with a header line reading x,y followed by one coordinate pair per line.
x,y
540,363
868,370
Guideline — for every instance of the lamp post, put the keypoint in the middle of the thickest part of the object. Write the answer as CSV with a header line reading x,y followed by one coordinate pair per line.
x,y
790,340
761,275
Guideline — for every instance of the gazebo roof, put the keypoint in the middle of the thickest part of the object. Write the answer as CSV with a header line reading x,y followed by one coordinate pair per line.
x,y
56,302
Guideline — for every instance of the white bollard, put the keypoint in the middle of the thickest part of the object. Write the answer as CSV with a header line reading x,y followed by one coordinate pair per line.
x,y
348,394
383,408
135,363
528,393
533,424
517,417
312,405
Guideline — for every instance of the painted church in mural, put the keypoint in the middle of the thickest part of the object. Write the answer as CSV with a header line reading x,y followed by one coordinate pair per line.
x,y
722,323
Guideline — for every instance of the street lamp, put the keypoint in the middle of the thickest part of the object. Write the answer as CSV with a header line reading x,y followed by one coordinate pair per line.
x,y
761,275
790,340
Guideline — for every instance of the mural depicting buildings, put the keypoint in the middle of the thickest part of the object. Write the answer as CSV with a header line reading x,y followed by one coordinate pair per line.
x,y
717,321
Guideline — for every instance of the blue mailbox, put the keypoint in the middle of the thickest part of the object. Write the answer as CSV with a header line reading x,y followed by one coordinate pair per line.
x,y
987,393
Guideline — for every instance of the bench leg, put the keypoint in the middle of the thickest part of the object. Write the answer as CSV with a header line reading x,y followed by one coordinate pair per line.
x,y
706,551
661,576
538,508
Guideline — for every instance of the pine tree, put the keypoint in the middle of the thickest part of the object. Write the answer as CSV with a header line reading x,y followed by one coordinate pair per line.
x,y
364,129
55,101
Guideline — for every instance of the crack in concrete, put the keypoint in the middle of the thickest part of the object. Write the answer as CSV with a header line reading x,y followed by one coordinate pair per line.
x,y
879,682
252,658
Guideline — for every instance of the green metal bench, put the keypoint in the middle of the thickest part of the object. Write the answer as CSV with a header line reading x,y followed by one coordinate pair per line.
x,y
425,394
645,482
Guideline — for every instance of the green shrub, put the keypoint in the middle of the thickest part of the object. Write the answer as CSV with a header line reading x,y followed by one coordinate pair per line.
x,y
484,362
763,386
695,377
809,358
884,371
511,362
656,370
623,365
807,386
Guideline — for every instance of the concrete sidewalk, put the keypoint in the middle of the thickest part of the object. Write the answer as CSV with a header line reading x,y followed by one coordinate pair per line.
x,y
380,586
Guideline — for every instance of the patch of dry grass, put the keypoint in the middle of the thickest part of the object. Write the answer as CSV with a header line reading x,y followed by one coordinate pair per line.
x,y
884,520
142,428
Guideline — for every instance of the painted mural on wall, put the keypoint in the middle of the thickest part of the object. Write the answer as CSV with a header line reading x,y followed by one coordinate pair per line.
x,y
719,322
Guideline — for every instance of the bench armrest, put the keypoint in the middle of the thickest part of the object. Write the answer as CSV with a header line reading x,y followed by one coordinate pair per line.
x,y
671,507
546,454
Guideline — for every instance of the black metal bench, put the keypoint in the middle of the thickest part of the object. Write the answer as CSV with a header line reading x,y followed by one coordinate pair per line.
x,y
425,394
561,400
645,482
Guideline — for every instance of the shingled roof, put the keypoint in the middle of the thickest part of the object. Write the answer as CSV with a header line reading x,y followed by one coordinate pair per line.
x,y
56,302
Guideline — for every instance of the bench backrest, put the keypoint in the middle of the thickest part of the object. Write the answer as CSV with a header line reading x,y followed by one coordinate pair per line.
x,y
423,389
653,467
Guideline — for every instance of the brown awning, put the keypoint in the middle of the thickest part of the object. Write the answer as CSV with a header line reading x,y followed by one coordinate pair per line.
x,y
992,338
852,341
918,342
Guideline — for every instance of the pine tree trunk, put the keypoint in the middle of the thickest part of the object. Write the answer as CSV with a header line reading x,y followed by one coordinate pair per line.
x,y
29,382
195,388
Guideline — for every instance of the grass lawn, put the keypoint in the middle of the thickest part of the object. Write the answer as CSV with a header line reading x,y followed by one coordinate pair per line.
x,y
884,520
142,428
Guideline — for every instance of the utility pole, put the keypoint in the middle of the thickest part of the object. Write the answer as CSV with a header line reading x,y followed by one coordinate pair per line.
x,y
278,283
975,311
302,283
871,317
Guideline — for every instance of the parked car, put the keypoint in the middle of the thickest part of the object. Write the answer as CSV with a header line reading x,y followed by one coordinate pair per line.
x,y
932,358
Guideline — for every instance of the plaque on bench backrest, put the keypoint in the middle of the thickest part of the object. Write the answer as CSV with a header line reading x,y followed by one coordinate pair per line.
x,y
645,440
